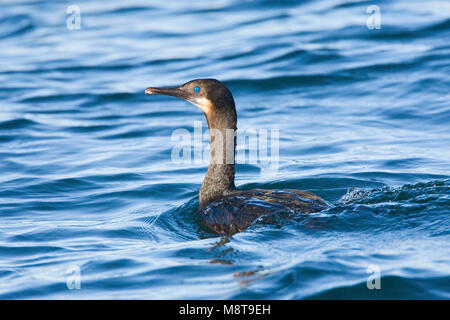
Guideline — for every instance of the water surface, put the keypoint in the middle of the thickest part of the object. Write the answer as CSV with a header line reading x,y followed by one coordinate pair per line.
x,y
88,182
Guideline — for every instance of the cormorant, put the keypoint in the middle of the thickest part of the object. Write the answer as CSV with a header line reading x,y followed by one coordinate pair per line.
x,y
222,207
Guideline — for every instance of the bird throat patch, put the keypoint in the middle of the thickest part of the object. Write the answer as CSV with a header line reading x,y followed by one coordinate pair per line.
x,y
203,103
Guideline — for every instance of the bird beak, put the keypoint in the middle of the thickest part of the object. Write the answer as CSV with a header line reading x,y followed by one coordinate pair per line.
x,y
174,92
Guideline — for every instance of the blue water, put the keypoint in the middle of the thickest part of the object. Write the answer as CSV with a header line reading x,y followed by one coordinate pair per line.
x,y
90,196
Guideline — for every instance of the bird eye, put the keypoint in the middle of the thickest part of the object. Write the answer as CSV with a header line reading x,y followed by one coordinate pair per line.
x,y
196,89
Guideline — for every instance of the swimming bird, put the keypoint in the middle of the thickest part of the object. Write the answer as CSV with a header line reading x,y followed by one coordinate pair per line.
x,y
223,208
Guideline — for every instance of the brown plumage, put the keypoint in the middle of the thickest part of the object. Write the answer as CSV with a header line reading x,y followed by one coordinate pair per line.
x,y
223,208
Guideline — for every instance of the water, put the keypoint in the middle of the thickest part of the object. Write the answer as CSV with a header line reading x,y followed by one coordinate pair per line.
x,y
88,187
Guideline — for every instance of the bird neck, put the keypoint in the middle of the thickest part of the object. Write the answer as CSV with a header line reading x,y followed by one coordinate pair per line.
x,y
219,179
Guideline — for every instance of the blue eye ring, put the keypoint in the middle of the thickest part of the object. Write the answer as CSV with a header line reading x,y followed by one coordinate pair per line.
x,y
196,89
